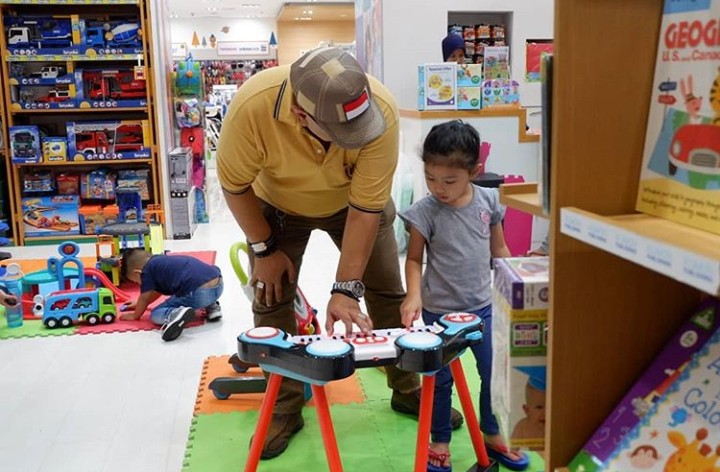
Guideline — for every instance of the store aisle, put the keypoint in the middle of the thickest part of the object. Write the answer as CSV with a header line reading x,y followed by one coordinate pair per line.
x,y
123,402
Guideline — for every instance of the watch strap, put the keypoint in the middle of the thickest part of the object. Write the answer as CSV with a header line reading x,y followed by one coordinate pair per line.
x,y
347,293
269,246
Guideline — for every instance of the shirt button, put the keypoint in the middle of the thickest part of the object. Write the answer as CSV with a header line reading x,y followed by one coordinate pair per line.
x,y
319,151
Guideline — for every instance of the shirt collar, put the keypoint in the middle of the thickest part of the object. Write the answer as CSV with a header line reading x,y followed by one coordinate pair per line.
x,y
283,105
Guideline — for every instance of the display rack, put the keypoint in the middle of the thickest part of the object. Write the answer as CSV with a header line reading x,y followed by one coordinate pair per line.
x,y
6,194
79,61
609,314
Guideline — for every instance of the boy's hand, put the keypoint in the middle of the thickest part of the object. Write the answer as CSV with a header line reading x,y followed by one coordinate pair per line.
x,y
410,310
128,316
127,306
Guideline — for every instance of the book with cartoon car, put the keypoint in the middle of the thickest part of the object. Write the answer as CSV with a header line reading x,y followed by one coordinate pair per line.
x,y
680,175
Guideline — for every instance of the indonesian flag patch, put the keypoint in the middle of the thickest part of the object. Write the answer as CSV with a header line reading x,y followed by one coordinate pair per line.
x,y
357,107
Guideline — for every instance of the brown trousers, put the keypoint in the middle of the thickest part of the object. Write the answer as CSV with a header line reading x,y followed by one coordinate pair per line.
x,y
383,288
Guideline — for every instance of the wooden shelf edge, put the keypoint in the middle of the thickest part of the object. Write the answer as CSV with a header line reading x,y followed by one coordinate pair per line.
x,y
523,197
70,111
688,255
87,163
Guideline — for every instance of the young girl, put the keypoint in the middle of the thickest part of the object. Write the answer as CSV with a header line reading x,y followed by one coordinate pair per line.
x,y
459,225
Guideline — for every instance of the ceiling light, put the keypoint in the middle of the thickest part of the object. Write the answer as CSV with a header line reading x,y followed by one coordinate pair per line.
x,y
250,5
305,18
211,9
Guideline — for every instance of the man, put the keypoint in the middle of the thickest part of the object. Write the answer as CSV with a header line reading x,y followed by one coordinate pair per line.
x,y
314,146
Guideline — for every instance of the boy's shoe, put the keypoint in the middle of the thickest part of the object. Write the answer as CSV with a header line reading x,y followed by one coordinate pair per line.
x,y
176,322
213,312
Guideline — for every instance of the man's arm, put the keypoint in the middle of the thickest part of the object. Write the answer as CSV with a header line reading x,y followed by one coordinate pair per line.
x,y
246,210
358,239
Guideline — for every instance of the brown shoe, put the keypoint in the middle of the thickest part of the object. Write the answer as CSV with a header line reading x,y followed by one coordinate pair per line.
x,y
282,428
409,403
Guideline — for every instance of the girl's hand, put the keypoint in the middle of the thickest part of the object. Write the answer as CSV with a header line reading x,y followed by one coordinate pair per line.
x,y
410,310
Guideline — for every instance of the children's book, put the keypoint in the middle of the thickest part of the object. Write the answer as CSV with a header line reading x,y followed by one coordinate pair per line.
x,y
664,412
680,175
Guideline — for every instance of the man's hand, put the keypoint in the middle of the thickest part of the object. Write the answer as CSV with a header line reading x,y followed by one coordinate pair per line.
x,y
410,310
267,276
347,310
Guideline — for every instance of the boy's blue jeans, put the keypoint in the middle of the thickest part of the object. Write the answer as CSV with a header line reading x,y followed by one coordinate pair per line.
x,y
198,298
441,429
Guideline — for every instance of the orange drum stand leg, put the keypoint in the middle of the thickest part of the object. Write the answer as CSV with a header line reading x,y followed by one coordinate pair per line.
x,y
469,413
266,411
326,428
424,422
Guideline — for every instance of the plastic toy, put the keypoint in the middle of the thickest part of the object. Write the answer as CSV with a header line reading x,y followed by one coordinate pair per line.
x,y
64,307
45,215
129,203
54,149
109,264
113,35
188,113
108,140
155,219
39,181
113,84
39,32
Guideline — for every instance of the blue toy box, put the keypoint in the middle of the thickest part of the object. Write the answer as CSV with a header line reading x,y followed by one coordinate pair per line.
x,y
50,216
25,144
108,140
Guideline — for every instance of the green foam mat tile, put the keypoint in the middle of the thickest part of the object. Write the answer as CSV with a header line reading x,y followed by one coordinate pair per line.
x,y
31,329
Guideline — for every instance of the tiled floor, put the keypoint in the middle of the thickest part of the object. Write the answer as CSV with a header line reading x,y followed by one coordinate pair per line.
x,y
123,402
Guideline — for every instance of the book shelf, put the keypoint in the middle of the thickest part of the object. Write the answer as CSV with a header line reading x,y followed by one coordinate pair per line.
x,y
75,60
609,314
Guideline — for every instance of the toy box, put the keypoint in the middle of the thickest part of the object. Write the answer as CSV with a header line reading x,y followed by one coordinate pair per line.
x,y
54,149
48,216
137,179
68,184
610,446
91,219
469,98
25,144
496,63
680,173
42,86
98,185
437,86
519,373
501,92
469,75
43,35
120,36
108,140
523,281
38,182
107,88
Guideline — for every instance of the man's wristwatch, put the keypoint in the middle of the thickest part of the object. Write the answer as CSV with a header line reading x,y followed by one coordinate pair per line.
x,y
352,288
264,248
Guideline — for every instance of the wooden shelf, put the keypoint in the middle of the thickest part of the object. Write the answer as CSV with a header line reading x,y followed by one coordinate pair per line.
x,y
72,57
88,163
685,254
67,111
59,237
523,197
68,2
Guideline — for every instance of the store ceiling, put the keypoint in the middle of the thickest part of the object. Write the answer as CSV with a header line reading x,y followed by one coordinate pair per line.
x,y
261,9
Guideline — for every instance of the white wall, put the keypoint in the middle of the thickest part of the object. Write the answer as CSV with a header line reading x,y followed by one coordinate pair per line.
x,y
413,32
240,29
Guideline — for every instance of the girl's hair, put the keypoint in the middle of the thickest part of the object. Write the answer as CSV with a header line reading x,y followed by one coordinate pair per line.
x,y
452,144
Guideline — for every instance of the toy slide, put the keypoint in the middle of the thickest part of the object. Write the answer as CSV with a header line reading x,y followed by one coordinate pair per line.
x,y
120,295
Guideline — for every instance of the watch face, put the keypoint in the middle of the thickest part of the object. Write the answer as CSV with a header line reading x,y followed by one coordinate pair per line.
x,y
357,288
259,247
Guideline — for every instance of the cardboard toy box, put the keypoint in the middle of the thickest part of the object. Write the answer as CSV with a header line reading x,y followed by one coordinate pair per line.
x,y
108,140
54,149
523,281
519,373
49,216
110,88
437,86
43,35
654,400
25,144
42,86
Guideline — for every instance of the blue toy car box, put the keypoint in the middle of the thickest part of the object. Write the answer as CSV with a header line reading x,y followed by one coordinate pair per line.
x,y
25,144
108,140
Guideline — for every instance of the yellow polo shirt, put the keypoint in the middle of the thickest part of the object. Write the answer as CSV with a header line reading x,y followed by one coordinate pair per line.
x,y
262,145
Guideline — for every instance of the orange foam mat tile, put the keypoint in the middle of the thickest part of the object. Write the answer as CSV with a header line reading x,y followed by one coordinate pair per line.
x,y
341,392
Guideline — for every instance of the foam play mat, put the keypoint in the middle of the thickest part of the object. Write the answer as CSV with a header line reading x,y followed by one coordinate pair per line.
x,y
371,436
32,326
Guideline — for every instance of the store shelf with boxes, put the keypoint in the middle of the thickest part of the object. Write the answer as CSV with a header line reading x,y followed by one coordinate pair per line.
x,y
621,282
78,94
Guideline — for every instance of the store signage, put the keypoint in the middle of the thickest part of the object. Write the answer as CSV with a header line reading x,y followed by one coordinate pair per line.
x,y
179,50
243,48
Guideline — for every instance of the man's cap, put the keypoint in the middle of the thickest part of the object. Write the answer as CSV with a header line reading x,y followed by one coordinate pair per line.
x,y
451,43
537,375
330,85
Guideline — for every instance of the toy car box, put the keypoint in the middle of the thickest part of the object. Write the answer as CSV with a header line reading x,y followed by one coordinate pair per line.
x,y
117,37
54,149
49,216
110,88
523,281
108,140
42,86
43,35
519,372
25,144
91,219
